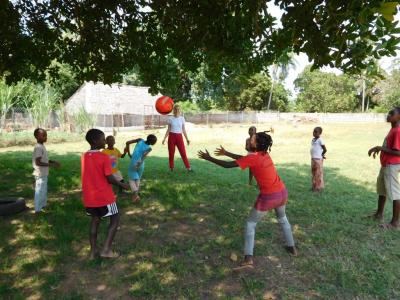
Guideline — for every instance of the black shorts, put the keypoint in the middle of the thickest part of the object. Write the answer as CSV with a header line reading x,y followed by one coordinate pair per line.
x,y
103,211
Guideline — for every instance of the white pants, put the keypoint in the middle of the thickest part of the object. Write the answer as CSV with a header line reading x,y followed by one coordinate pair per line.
x,y
40,192
134,184
256,216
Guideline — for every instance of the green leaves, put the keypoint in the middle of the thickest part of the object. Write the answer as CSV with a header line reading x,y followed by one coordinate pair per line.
x,y
101,40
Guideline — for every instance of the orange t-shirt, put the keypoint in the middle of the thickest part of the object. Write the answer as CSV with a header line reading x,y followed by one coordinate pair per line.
x,y
263,170
96,190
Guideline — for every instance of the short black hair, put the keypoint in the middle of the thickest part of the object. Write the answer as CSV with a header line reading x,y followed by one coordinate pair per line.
x,y
319,128
110,136
151,139
37,130
264,142
395,109
93,135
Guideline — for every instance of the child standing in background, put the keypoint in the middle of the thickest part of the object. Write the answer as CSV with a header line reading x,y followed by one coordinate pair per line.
x,y
250,149
317,151
136,166
114,155
41,164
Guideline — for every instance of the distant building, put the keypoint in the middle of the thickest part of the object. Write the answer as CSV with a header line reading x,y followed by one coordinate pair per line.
x,y
116,105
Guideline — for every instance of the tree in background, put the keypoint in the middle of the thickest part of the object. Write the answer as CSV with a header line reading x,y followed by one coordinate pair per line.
x,y
389,95
256,91
325,92
280,71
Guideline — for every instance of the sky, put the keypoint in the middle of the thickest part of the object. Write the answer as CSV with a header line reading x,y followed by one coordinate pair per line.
x,y
302,59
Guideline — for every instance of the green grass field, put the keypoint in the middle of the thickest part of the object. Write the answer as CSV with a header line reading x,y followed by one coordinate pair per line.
x,y
177,243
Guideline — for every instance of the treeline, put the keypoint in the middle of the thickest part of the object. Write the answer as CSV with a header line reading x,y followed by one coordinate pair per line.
x,y
316,91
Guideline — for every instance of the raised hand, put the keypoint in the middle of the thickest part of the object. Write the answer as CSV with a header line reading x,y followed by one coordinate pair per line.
x,y
220,151
204,155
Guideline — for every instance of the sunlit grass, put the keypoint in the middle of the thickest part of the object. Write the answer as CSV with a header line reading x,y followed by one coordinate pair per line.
x,y
178,241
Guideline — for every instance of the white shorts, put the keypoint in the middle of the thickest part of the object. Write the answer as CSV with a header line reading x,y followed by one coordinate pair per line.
x,y
392,182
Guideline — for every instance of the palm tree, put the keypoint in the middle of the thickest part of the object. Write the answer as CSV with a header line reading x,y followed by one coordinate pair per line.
x,y
280,71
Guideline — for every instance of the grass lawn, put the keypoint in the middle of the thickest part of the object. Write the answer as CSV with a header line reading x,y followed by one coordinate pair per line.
x,y
177,243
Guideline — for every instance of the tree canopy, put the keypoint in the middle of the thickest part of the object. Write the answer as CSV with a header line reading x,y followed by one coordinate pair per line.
x,y
102,40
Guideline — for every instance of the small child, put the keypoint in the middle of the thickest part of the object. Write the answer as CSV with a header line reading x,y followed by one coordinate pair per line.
x,y
98,197
273,193
317,151
41,164
136,166
114,155
249,149
388,181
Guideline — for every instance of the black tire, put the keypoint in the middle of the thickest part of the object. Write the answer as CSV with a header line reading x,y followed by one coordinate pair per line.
x,y
10,206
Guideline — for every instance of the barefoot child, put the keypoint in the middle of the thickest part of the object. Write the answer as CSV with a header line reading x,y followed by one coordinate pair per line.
x,y
136,166
114,155
98,197
388,182
41,165
273,193
249,149
317,151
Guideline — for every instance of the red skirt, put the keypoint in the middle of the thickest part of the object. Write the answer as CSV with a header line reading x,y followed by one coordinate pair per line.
x,y
272,200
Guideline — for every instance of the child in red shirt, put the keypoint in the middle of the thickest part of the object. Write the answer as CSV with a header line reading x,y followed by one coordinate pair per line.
x,y
388,181
98,196
273,193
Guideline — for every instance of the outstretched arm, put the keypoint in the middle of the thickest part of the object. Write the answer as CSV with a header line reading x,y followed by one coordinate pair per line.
x,y
225,164
375,151
221,152
111,179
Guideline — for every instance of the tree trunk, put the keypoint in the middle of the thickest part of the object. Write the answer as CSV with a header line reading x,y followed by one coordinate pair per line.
x,y
363,95
270,95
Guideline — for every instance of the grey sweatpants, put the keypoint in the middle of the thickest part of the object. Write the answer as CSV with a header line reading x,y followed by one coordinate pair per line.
x,y
256,216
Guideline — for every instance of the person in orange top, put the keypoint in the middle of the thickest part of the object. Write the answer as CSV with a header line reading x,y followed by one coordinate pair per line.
x,y
273,193
388,181
98,197
114,155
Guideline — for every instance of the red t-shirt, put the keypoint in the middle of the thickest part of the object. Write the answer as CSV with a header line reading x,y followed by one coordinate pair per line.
x,y
263,170
96,190
392,142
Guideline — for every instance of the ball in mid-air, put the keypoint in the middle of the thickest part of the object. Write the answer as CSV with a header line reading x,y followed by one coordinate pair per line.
x,y
164,105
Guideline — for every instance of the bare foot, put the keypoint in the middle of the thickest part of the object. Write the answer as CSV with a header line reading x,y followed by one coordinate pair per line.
x,y
93,254
390,226
375,216
109,254
246,264
136,199
291,250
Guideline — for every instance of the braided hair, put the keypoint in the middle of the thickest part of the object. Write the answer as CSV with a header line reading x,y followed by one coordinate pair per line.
x,y
264,141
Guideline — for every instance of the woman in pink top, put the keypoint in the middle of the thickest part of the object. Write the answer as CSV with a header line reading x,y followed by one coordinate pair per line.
x,y
176,127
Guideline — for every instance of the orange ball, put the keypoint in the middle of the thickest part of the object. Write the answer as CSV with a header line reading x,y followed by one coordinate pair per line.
x,y
164,105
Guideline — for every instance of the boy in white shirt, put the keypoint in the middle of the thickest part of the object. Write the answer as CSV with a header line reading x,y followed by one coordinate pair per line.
x,y
41,164
318,151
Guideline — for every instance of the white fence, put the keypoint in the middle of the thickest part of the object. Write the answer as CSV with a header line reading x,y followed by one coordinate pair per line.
x,y
19,119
